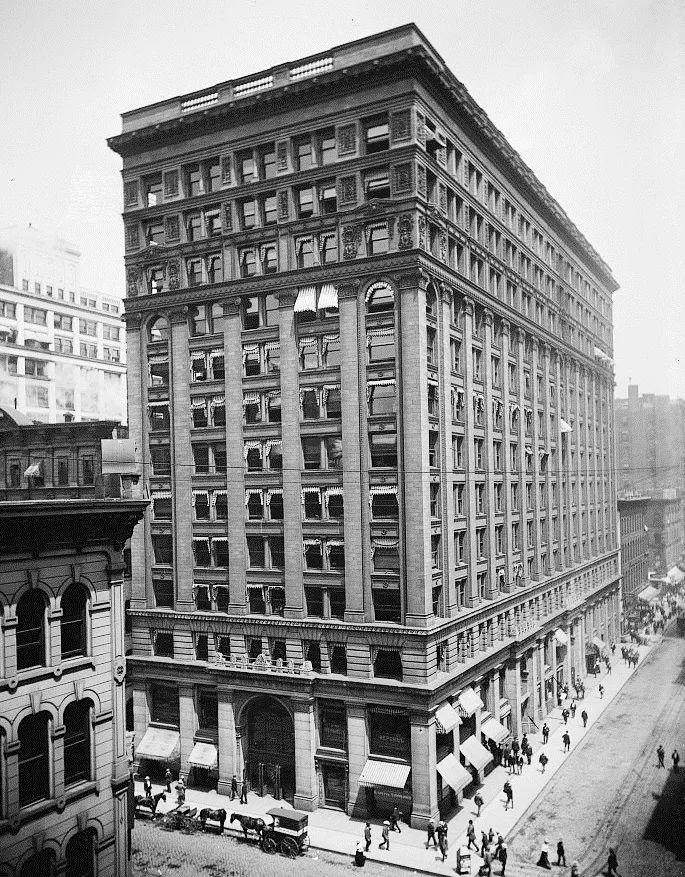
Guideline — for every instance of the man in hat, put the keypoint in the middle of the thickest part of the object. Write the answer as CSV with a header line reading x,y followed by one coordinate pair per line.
x,y
478,801
612,863
471,836
543,861
385,833
147,787
243,789
395,819
367,836
503,855
583,716
545,734
561,853
660,755
234,787
167,780
509,792
430,832
567,741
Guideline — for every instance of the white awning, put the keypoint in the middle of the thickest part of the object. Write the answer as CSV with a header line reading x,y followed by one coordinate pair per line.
x,y
563,426
469,701
599,643
494,731
159,744
306,299
648,594
447,718
676,575
454,773
328,297
561,637
35,470
475,753
204,755
387,774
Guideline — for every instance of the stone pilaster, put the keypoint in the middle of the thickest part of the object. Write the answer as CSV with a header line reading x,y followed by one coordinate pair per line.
x,y
227,742
488,458
357,753
506,462
471,543
306,785
446,466
187,724
424,781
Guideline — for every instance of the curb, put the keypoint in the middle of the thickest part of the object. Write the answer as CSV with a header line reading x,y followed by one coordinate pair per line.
x,y
414,869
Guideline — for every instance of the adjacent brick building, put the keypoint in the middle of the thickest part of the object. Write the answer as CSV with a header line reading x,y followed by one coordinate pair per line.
x,y
369,365
635,539
64,772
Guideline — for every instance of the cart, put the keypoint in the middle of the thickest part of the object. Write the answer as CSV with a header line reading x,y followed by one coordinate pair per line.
x,y
287,832
182,818
463,860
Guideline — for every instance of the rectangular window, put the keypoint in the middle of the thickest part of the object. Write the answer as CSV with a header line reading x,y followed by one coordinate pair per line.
x,y
383,449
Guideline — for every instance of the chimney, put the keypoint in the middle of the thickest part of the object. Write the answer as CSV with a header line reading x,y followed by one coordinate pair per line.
x,y
68,417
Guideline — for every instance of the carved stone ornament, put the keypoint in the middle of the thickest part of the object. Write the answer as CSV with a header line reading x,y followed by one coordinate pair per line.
x,y
171,184
228,217
352,238
400,126
348,190
422,232
404,229
174,275
401,179
283,204
132,282
226,169
173,228
443,246
347,139
282,156
119,672
421,180
421,129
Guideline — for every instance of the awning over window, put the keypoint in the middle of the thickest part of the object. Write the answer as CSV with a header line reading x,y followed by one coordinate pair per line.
x,y
328,297
384,773
648,594
453,773
475,753
447,718
563,426
35,470
494,731
469,702
561,637
599,643
204,755
159,744
676,575
306,299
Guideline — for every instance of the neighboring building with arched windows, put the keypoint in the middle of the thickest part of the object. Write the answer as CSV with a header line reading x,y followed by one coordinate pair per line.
x,y
64,766
369,374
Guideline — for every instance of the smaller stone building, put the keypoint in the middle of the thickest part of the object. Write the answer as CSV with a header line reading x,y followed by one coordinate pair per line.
x,y
633,514
666,530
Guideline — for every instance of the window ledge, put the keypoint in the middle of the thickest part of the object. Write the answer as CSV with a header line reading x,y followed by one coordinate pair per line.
x,y
38,673
40,808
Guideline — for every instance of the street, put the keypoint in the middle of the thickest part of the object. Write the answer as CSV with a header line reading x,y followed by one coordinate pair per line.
x,y
611,792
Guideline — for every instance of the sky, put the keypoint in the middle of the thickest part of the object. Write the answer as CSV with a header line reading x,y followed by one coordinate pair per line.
x,y
591,93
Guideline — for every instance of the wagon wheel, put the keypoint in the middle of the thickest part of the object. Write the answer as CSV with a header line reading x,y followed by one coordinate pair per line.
x,y
269,845
289,848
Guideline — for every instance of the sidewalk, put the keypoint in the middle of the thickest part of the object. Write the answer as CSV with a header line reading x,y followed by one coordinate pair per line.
x,y
334,831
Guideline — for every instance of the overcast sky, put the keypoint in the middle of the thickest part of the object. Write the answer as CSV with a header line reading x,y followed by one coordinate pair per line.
x,y
590,92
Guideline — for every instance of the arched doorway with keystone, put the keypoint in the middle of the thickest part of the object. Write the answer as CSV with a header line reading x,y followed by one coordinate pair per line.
x,y
270,756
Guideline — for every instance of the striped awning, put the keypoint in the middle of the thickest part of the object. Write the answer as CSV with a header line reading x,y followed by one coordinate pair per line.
x,y
389,775
494,731
306,299
475,753
204,755
454,773
328,297
469,702
159,744
447,718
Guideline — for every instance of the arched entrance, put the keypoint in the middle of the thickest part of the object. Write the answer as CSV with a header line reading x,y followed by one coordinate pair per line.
x,y
270,756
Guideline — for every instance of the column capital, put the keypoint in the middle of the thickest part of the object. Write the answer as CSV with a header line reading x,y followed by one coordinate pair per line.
x,y
446,294
133,320
411,279
544,349
488,317
520,335
232,307
179,315
349,289
468,305
286,298
505,326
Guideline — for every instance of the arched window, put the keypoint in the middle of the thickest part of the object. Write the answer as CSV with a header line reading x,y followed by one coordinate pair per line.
x,y
31,630
81,854
431,302
158,330
379,298
40,865
77,742
34,764
73,623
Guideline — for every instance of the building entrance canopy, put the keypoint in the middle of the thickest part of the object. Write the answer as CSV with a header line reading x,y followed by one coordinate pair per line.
x,y
475,753
494,731
469,702
204,755
159,744
453,773
649,594
386,774
447,718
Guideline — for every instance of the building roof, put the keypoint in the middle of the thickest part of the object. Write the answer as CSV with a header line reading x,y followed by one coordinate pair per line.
x,y
14,421
10,418
177,116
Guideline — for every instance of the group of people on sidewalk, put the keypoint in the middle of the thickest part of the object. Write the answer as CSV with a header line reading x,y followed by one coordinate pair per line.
x,y
675,758
492,849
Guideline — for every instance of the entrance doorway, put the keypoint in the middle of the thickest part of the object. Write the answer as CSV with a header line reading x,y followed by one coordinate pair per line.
x,y
270,757
334,784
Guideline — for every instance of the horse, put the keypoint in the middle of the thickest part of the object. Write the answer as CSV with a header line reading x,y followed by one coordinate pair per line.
x,y
249,823
215,815
150,803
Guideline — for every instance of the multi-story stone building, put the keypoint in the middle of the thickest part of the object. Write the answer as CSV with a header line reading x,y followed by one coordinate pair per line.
x,y
64,772
666,531
635,539
62,349
650,442
369,369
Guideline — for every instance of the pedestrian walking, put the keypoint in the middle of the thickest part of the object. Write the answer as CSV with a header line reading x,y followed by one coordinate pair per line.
x,y
567,742
676,760
609,668
612,863
441,830
565,690
243,789
486,869
660,755
529,753
471,835
574,707
385,843
512,761
430,839
601,691
516,746
524,743
613,648
583,716
181,790
543,761
367,836
543,861
545,733
500,844
478,801
503,857
443,846
167,779
561,853
564,715
234,787
491,836
509,792
395,818
519,763
574,868
484,841
147,787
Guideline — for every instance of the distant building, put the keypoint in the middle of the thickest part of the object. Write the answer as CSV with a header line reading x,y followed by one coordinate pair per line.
x,y
650,442
635,539
62,347
666,525
64,771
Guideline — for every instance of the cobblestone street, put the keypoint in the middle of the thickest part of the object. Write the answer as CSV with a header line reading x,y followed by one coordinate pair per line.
x,y
160,853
